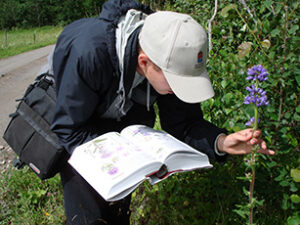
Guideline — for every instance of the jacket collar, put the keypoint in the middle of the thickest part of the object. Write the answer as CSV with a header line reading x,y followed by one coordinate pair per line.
x,y
111,13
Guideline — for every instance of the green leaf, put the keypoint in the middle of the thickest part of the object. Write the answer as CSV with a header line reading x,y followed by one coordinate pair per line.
x,y
284,204
293,29
278,7
295,198
295,220
224,83
295,174
293,187
287,115
246,192
275,32
268,3
244,178
240,212
286,74
224,12
237,127
244,49
284,183
228,97
260,203
272,55
227,111
298,80
282,173
296,117
272,164
266,24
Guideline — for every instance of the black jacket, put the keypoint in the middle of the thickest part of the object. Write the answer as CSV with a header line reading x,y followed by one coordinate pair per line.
x,y
86,73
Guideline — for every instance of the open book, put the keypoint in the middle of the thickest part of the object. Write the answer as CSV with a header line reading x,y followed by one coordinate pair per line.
x,y
114,164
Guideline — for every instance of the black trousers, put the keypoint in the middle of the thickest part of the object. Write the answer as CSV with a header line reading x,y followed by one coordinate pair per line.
x,y
84,206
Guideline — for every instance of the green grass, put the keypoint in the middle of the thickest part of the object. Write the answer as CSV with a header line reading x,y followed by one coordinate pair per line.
x,y
26,200
22,40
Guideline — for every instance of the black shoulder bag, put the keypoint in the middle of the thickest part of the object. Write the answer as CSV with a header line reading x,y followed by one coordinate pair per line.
x,y
29,134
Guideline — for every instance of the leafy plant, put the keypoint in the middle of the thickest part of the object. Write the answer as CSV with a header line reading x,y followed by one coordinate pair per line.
x,y
257,97
269,37
27,200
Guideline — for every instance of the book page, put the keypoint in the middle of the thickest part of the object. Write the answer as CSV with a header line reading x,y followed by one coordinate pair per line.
x,y
158,143
109,159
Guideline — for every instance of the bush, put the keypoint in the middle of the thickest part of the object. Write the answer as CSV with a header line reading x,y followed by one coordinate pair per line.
x,y
240,41
270,38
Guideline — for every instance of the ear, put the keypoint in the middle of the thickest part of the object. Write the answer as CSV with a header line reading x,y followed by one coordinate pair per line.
x,y
143,63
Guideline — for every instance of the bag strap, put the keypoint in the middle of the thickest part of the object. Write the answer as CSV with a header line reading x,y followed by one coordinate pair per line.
x,y
44,83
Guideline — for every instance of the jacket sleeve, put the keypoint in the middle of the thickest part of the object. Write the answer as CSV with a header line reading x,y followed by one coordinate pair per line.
x,y
78,85
185,121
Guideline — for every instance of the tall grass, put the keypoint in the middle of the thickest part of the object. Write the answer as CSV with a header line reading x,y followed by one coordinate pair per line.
x,y
16,41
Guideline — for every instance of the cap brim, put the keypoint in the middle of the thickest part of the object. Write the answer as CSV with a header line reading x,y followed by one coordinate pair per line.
x,y
190,89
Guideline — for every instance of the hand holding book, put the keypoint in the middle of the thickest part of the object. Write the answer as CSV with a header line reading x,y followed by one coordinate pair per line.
x,y
114,164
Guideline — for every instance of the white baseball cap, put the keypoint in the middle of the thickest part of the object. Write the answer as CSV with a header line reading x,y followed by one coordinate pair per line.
x,y
177,44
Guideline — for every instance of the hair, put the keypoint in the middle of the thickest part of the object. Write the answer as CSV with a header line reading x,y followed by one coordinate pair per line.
x,y
140,50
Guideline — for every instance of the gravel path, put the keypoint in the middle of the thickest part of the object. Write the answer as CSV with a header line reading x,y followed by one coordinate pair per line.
x,y
16,73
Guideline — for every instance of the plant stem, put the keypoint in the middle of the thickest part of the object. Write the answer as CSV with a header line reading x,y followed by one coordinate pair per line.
x,y
209,26
252,163
252,187
255,119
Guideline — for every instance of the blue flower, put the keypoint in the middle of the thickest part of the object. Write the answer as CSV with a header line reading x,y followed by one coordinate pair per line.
x,y
256,96
251,121
257,72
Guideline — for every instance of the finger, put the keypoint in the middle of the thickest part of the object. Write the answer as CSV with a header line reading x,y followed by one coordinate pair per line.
x,y
266,151
260,142
244,135
263,145
255,141
257,134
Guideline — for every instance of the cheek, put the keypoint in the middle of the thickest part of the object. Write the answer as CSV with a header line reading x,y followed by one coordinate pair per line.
x,y
158,81
162,85
164,82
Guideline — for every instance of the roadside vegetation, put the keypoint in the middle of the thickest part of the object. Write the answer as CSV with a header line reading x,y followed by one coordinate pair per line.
x,y
26,200
261,32
18,40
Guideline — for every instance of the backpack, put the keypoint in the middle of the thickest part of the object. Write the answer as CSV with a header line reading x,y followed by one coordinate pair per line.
x,y
28,132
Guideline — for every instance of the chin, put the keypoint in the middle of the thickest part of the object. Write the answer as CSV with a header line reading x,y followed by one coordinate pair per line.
x,y
164,92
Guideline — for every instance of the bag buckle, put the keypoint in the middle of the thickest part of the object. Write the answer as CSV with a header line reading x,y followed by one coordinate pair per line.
x,y
18,163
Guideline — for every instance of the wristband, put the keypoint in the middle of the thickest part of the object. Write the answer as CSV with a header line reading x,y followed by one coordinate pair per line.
x,y
216,148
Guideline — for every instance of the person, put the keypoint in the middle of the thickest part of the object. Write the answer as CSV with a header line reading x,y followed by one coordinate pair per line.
x,y
110,70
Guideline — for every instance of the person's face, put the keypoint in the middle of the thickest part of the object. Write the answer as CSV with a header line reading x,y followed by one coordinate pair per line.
x,y
155,76
157,79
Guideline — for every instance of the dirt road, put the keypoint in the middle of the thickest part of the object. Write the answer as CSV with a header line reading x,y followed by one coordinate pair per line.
x,y
16,73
